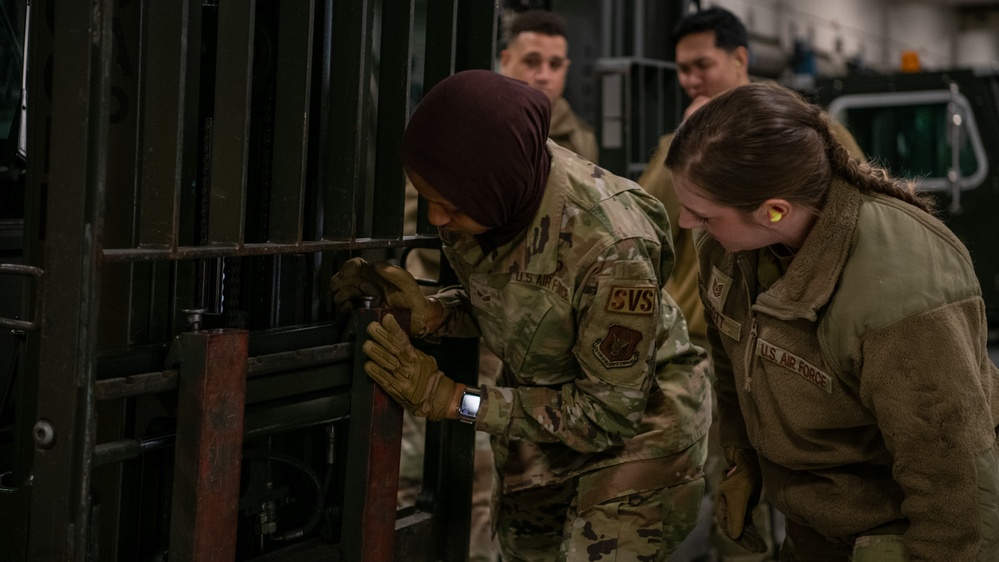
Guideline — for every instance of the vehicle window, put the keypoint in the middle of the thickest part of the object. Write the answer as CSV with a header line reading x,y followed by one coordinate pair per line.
x,y
912,135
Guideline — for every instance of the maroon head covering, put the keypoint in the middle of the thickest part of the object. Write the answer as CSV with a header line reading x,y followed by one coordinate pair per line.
x,y
478,138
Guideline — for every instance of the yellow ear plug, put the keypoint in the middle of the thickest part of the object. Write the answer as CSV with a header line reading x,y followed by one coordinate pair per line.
x,y
775,215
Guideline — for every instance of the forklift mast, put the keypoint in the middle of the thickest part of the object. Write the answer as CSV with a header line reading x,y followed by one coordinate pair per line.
x,y
185,178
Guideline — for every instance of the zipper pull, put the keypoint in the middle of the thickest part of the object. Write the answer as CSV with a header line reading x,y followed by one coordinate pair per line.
x,y
750,352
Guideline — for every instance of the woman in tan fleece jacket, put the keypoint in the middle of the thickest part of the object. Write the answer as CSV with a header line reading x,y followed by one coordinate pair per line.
x,y
849,340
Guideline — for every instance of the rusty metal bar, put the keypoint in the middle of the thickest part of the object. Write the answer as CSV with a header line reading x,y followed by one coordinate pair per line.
x,y
274,418
299,359
201,252
135,385
257,422
169,117
160,381
393,112
231,124
117,451
374,439
209,445
347,123
65,416
291,120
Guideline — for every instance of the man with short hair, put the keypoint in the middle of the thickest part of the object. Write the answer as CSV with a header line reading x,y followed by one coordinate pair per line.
x,y
537,53
712,56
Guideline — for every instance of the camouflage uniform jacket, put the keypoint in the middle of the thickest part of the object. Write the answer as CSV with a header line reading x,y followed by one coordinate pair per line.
x,y
569,131
682,283
598,369
861,377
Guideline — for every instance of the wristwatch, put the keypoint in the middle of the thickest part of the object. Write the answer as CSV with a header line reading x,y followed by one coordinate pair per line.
x,y
468,406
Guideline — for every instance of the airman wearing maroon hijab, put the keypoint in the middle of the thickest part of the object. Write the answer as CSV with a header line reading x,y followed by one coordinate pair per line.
x,y
599,419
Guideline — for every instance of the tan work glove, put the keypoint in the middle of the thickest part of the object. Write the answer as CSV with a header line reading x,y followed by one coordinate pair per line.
x,y
737,495
395,286
406,373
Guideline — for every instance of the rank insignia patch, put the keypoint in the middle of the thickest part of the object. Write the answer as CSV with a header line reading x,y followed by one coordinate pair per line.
x,y
482,296
718,287
618,347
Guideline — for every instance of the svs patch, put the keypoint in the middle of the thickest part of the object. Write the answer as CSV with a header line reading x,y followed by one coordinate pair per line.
x,y
632,300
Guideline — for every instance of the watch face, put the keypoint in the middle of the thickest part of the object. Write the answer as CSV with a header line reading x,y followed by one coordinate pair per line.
x,y
469,404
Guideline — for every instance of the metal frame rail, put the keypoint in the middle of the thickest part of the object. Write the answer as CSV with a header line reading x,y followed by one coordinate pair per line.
x,y
145,197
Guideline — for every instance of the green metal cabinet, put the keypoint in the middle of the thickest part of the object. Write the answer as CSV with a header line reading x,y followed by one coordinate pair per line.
x,y
940,129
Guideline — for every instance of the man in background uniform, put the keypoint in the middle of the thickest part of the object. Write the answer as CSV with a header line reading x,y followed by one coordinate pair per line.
x,y
537,52
712,56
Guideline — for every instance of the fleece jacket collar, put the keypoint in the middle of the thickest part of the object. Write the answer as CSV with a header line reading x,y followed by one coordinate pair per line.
x,y
810,280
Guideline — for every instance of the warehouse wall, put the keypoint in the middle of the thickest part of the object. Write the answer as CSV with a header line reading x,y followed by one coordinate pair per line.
x,y
874,33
